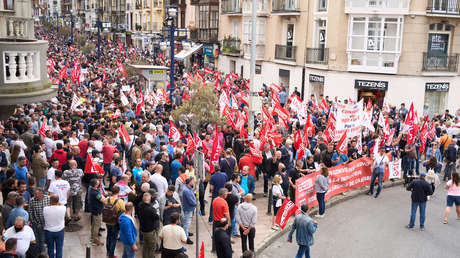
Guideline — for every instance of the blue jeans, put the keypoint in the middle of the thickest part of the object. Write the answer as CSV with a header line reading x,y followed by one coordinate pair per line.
x,y
321,202
409,166
234,227
303,250
54,240
379,188
41,182
39,233
448,170
413,213
111,241
128,251
188,215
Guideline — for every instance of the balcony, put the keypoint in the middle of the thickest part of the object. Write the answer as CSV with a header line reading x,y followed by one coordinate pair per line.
x,y
285,7
203,2
231,7
283,52
317,56
377,6
435,63
12,28
231,46
260,52
442,7
204,35
23,73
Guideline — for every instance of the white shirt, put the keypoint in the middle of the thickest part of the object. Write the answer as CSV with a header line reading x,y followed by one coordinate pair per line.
x,y
50,146
98,145
24,238
60,187
160,182
50,175
380,161
22,147
172,236
73,141
54,218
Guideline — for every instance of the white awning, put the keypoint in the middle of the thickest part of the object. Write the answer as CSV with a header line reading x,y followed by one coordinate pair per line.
x,y
186,53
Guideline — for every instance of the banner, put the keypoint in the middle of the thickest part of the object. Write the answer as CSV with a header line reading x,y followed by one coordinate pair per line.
x,y
344,177
349,120
285,212
394,169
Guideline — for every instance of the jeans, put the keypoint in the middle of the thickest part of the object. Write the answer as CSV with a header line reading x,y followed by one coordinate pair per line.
x,y
247,238
413,213
188,215
374,176
234,228
303,250
54,240
41,182
128,251
321,203
448,170
112,236
39,236
409,166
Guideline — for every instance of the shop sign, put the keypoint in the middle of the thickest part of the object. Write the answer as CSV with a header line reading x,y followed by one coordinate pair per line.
x,y
437,86
208,50
371,85
316,78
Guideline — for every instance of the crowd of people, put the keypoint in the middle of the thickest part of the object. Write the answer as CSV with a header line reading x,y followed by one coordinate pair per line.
x,y
147,190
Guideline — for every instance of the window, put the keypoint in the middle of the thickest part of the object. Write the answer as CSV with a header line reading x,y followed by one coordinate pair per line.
x,y
322,5
375,42
235,29
260,31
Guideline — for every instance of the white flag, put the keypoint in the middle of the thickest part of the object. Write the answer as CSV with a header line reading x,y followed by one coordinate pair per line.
x,y
75,102
395,169
124,99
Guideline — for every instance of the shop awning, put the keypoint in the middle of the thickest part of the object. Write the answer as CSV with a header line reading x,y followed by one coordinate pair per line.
x,y
186,53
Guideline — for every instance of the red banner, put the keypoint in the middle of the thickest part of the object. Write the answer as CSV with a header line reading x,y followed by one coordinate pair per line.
x,y
344,177
285,212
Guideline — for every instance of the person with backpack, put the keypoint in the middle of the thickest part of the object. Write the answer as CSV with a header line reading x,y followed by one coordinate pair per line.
x,y
113,207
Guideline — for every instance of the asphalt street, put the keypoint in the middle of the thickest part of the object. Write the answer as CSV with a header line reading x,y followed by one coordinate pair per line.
x,y
375,228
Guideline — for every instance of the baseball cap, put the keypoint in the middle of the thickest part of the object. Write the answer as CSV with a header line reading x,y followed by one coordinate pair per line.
x,y
423,174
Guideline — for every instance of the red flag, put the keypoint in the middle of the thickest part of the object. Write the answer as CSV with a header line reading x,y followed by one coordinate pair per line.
x,y
202,250
104,75
342,145
297,140
324,106
191,146
410,124
256,156
274,88
43,127
281,112
63,73
432,132
174,132
121,68
285,212
369,104
310,125
275,98
140,103
424,135
124,134
160,56
91,168
76,72
50,65
214,153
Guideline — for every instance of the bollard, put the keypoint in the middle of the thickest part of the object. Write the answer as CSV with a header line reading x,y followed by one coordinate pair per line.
x,y
88,251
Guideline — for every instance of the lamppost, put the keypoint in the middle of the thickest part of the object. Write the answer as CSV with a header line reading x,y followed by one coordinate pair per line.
x,y
71,27
99,12
169,23
57,21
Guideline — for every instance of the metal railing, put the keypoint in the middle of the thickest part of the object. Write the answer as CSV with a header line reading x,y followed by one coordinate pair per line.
x,y
231,46
317,56
443,7
440,63
208,35
285,6
284,52
230,6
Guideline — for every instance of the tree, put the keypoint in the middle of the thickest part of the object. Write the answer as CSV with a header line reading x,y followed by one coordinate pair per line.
x,y
201,109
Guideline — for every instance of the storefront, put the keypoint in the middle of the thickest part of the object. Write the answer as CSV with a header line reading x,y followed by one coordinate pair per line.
x,y
210,53
374,90
435,97
316,84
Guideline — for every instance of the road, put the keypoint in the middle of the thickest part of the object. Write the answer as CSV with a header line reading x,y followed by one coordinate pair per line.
x,y
369,227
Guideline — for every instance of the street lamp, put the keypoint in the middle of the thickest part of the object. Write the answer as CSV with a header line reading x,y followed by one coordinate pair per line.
x,y
99,12
169,22
57,21
71,27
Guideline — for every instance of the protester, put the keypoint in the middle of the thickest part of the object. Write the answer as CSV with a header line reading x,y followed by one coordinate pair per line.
x,y
173,236
221,211
54,216
378,169
420,190
305,227
222,239
149,222
169,204
188,203
217,182
24,235
453,196
36,207
74,176
113,207
246,217
96,204
322,182
278,198
128,232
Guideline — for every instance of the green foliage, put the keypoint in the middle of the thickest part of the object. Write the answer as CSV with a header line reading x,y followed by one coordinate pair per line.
x,y
64,31
201,109
88,48
81,40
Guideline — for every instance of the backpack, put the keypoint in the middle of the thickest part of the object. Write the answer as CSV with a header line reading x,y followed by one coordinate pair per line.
x,y
109,213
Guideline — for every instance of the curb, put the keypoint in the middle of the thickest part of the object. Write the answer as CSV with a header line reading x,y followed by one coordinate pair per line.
x,y
332,202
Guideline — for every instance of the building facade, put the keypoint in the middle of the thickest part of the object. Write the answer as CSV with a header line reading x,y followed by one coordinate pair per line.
x,y
393,51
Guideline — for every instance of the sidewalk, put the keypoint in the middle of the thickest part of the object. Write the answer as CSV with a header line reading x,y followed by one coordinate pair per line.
x,y
75,242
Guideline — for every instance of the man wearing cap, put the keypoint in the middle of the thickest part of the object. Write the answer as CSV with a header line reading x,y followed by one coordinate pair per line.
x,y
420,190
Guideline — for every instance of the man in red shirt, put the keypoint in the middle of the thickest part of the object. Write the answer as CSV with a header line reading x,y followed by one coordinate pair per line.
x,y
219,210
59,154
83,145
247,160
107,151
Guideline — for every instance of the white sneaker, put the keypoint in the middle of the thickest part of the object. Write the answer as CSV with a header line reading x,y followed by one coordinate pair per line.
x,y
319,216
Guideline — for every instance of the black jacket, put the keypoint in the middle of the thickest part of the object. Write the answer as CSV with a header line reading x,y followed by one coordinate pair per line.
x,y
451,153
420,190
149,219
223,244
